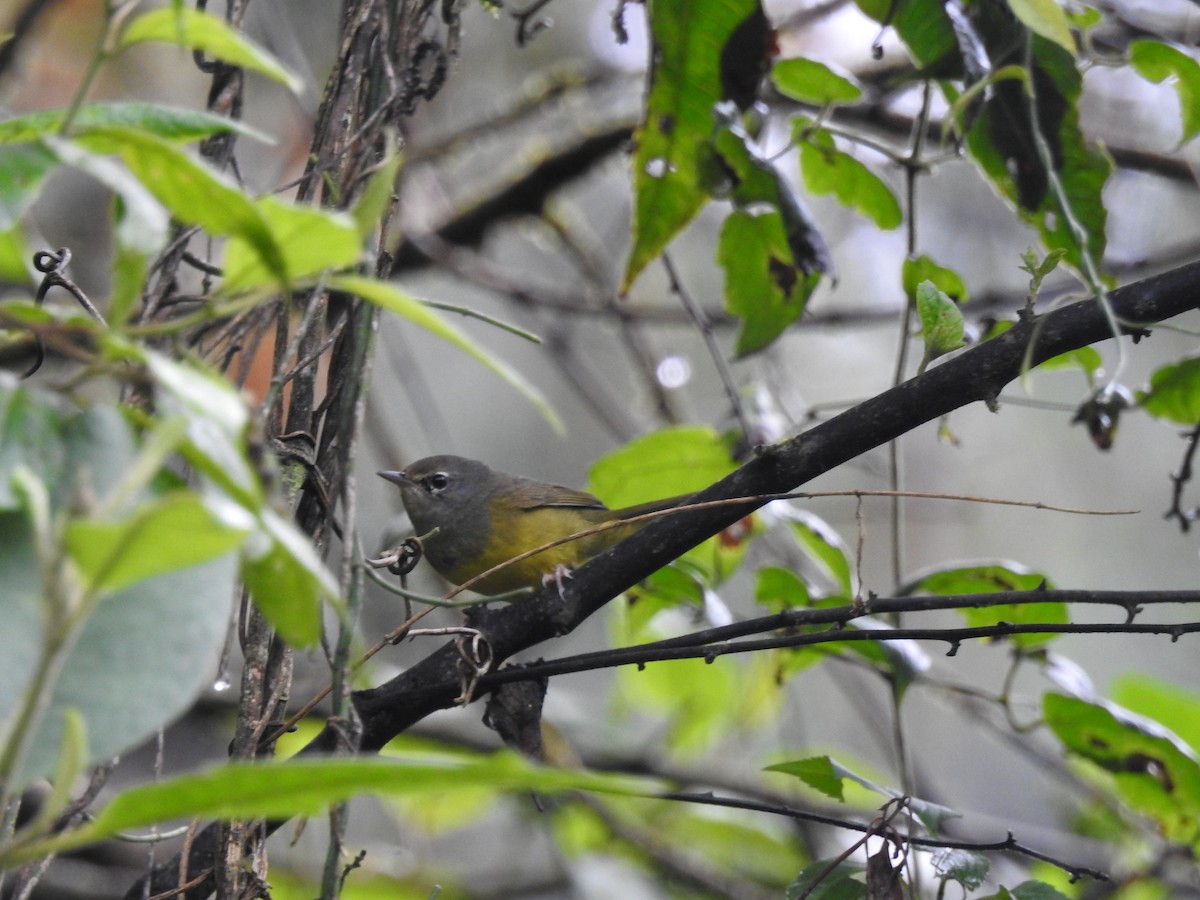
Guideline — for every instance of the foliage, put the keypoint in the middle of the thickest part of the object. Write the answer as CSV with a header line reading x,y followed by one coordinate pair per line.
x,y
143,493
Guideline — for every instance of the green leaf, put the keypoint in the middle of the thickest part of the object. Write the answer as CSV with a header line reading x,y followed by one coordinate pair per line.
x,y
817,772
1175,707
941,321
72,759
1085,18
176,532
762,285
377,195
923,268
143,657
1174,392
669,588
14,257
664,463
991,577
171,123
922,24
306,787
967,867
828,879
287,579
200,390
195,194
685,85
822,544
1047,18
195,30
1154,772
810,81
310,240
827,170
667,463
1156,61
1001,142
1038,269
754,184
1086,359
390,297
1037,890
778,589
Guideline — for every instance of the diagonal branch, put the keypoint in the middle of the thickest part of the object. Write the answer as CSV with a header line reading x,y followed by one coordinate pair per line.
x,y
977,374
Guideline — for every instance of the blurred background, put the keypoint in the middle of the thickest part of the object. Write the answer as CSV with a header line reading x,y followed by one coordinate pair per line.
x,y
616,367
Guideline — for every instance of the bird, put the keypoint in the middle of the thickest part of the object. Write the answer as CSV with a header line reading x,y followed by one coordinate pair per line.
x,y
472,518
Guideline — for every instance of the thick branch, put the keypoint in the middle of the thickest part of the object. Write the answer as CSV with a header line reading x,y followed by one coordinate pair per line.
x,y
977,374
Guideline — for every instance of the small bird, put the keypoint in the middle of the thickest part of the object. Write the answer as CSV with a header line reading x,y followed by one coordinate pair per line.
x,y
484,517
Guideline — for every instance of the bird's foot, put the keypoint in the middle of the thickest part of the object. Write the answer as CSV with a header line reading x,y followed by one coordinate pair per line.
x,y
558,576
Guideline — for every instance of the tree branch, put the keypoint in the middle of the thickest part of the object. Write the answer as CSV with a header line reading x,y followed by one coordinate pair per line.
x,y
977,374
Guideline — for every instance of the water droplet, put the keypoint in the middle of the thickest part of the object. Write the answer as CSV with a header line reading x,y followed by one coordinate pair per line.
x,y
673,372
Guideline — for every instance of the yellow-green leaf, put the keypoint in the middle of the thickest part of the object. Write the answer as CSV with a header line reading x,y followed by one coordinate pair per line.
x,y
195,30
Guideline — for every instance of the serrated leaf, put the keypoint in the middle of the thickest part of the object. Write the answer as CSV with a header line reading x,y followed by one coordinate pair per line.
x,y
968,868
817,772
1174,392
391,297
814,82
1038,269
196,30
941,320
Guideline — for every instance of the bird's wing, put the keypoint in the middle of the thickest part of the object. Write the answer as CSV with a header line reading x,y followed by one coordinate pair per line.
x,y
537,494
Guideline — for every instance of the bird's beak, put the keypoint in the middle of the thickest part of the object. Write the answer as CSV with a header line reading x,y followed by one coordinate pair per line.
x,y
395,477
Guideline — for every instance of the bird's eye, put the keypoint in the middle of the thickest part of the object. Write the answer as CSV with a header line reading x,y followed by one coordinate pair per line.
x,y
437,482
